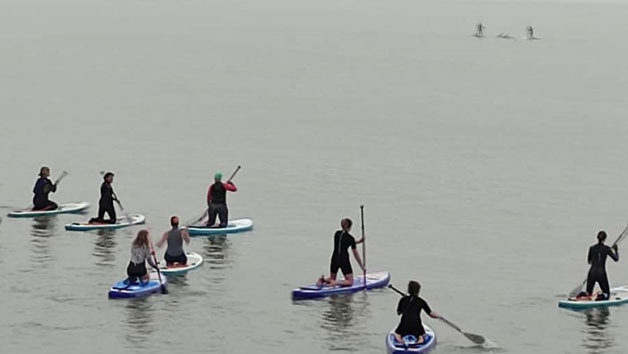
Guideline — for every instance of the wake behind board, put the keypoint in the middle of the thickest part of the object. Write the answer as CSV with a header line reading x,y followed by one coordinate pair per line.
x,y
122,290
373,281
409,346
66,208
234,226
619,296
120,223
195,260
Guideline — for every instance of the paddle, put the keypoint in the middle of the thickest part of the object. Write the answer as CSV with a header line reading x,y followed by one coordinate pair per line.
x,y
577,290
61,177
163,287
475,338
363,245
206,211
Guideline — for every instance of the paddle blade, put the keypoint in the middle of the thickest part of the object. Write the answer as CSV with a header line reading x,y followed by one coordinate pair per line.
x,y
577,290
475,338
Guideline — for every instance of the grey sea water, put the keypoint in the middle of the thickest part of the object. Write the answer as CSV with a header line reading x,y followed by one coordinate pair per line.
x,y
486,167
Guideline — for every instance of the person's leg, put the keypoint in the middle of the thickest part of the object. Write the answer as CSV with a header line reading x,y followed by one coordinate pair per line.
x,y
223,214
52,205
590,284
211,215
111,211
169,260
347,271
347,281
605,286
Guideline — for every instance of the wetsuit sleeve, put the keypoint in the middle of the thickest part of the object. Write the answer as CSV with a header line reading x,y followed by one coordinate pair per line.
x,y
614,255
400,306
589,256
209,195
426,307
353,245
230,186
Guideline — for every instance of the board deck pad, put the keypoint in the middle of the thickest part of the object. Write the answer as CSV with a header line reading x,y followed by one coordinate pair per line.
x,y
394,347
121,222
195,260
234,226
619,296
373,281
65,208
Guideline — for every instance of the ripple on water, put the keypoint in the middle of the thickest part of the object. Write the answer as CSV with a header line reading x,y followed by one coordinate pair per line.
x,y
42,229
104,248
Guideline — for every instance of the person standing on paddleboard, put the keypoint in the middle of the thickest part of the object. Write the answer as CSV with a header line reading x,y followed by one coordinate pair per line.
x,y
340,257
217,201
409,308
597,272
175,237
42,188
141,252
105,204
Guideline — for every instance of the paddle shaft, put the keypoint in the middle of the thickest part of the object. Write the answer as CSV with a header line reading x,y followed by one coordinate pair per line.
x,y
61,177
363,245
163,288
234,173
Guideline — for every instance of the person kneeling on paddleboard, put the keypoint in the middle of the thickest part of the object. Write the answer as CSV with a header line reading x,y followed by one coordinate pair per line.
x,y
141,252
409,308
175,237
43,187
597,272
105,204
217,201
340,257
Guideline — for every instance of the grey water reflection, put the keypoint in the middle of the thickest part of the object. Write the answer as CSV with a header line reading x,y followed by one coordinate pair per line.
x,y
597,339
216,255
139,322
342,321
42,229
104,248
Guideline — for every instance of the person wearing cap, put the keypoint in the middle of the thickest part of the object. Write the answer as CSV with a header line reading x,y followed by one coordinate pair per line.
x,y
217,201
105,204
42,188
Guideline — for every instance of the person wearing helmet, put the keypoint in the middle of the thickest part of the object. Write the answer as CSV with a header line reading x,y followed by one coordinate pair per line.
x,y
217,201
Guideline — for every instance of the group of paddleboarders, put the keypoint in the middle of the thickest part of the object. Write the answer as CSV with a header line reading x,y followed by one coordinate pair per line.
x,y
479,33
216,198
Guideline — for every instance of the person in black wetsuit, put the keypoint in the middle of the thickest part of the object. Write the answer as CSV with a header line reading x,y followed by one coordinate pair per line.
x,y
42,188
340,257
409,308
217,201
105,204
597,272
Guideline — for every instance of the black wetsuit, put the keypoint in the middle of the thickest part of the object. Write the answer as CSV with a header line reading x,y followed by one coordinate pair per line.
x,y
409,308
218,205
597,273
340,258
105,204
42,188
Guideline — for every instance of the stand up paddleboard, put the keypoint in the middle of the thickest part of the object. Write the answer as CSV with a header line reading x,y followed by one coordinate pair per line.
x,y
373,281
67,208
195,260
234,226
121,290
121,223
410,345
618,297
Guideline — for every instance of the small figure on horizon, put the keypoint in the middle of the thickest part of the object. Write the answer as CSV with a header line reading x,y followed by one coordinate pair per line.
x,y
530,33
479,30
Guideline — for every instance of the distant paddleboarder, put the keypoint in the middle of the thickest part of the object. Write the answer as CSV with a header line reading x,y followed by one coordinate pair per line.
x,y
175,237
409,308
141,252
343,240
597,272
530,33
217,201
479,30
43,187
105,204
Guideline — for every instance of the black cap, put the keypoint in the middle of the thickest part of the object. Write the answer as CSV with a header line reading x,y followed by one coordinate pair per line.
x,y
107,175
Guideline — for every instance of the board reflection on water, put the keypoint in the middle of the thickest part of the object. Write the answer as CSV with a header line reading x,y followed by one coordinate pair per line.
x,y
42,229
343,321
597,339
104,248
139,322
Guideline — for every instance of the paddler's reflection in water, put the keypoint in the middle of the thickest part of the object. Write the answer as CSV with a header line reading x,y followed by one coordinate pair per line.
x,y
216,254
42,229
139,321
597,339
104,246
341,319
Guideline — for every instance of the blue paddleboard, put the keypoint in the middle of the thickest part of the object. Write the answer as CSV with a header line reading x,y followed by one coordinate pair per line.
x,y
373,281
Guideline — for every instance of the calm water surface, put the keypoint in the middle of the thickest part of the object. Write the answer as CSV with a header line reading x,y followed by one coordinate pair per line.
x,y
486,167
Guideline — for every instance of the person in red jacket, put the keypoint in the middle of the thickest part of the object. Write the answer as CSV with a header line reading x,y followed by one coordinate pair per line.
x,y
217,201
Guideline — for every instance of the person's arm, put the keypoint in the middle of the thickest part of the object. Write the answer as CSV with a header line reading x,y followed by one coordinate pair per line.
x,y
230,186
589,256
162,240
356,254
429,311
209,195
400,306
359,241
614,253
149,258
186,236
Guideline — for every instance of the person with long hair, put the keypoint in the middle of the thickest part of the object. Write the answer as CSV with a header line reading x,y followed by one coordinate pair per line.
x,y
43,187
340,260
409,308
141,252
